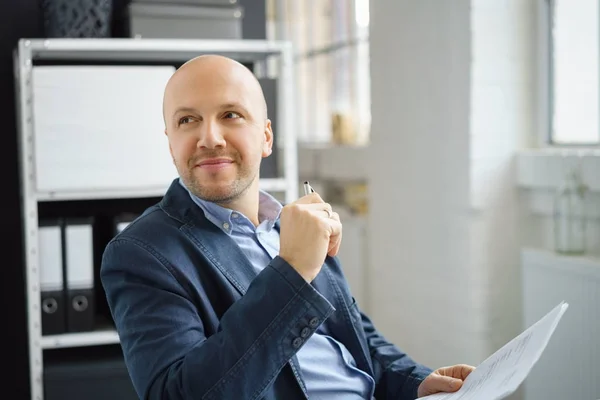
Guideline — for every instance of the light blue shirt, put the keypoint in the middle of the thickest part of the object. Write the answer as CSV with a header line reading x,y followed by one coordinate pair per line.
x,y
328,368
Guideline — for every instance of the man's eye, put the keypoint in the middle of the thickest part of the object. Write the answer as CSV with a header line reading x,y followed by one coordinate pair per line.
x,y
232,115
185,120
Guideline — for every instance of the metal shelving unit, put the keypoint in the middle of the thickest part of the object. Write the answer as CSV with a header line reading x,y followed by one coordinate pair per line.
x,y
32,51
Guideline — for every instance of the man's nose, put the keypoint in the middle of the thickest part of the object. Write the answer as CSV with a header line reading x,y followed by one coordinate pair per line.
x,y
211,136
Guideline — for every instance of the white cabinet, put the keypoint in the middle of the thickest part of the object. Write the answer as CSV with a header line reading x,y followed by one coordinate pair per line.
x,y
570,366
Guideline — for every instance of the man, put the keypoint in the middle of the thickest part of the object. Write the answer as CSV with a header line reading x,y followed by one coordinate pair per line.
x,y
220,292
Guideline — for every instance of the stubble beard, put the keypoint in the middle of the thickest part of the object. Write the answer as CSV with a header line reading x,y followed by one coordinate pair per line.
x,y
222,195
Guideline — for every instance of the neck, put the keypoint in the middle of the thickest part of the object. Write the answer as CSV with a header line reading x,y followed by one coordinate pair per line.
x,y
247,203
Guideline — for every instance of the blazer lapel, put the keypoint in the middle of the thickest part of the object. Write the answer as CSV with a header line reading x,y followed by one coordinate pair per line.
x,y
344,324
218,247
222,251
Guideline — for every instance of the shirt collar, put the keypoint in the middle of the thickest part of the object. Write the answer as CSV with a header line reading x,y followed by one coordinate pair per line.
x,y
269,210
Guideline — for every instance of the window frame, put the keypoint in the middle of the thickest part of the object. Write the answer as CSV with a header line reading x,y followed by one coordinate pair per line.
x,y
545,69
351,46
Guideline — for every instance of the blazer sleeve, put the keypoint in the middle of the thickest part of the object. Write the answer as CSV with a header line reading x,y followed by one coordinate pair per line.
x,y
397,375
169,356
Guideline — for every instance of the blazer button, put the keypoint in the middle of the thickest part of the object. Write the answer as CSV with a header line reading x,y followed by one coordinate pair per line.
x,y
297,342
314,322
305,332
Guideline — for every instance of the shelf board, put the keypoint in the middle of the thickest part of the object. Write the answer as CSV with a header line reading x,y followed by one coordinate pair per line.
x,y
267,184
130,49
80,339
100,194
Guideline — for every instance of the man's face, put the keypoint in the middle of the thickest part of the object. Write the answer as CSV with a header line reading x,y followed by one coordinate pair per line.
x,y
217,130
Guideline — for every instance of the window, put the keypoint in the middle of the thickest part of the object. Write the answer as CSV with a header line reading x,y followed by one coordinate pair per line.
x,y
574,72
330,39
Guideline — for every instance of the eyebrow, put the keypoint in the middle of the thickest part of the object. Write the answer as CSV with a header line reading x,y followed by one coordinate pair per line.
x,y
185,110
234,105
224,106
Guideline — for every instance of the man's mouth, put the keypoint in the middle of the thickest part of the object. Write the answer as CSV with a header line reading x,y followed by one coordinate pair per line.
x,y
214,163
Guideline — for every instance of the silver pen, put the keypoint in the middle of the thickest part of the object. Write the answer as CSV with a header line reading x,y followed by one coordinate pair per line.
x,y
307,188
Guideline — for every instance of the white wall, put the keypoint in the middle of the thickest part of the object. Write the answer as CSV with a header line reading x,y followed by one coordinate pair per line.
x,y
505,114
454,100
502,123
424,293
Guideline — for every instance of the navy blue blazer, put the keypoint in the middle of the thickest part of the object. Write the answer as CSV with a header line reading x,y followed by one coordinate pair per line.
x,y
197,322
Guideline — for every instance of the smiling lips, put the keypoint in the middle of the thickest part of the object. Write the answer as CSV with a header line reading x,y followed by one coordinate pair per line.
x,y
213,164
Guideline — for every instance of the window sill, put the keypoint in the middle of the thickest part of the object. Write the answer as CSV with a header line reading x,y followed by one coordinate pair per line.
x,y
546,168
536,169
585,265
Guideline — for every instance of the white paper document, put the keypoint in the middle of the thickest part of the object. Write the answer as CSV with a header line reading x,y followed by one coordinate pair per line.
x,y
503,372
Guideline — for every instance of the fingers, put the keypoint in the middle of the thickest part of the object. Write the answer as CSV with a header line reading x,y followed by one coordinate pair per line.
x,y
323,209
324,212
335,227
335,241
315,200
446,379
315,204
441,383
310,199
460,371
334,248
333,219
335,216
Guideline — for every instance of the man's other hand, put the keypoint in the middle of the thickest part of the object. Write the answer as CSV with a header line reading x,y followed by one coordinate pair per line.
x,y
446,379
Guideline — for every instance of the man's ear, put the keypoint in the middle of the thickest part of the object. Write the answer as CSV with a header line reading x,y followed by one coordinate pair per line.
x,y
170,148
268,140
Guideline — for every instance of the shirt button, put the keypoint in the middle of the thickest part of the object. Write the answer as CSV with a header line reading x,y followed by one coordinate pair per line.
x,y
305,332
234,215
314,322
225,225
297,342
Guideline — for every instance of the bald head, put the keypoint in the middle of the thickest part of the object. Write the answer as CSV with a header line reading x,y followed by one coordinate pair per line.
x,y
225,72
217,129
